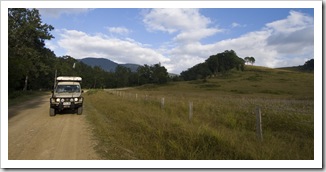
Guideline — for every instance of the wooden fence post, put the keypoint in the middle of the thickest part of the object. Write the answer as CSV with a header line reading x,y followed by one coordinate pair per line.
x,y
190,110
162,103
259,130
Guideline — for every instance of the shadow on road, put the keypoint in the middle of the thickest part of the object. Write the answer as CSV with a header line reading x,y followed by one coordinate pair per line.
x,y
31,104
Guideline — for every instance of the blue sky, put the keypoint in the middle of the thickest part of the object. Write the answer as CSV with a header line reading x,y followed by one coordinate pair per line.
x,y
179,38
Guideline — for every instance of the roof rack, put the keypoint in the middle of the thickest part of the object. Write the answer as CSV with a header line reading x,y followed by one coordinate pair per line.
x,y
69,78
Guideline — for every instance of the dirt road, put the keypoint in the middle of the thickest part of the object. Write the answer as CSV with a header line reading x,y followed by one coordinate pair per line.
x,y
34,135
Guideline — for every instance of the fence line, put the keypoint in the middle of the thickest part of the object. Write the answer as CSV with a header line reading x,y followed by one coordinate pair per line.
x,y
161,102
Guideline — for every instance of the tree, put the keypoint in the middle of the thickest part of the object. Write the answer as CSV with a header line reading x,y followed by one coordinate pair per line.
x,y
155,74
159,74
308,65
215,64
26,48
249,60
252,60
223,62
122,76
144,74
199,71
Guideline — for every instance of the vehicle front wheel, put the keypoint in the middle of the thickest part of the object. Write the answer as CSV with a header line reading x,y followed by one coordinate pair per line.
x,y
52,112
79,110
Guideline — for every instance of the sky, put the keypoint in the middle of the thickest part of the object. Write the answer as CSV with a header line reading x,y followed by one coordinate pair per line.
x,y
180,38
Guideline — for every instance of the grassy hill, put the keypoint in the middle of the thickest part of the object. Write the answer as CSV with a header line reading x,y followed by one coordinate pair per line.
x,y
134,124
254,82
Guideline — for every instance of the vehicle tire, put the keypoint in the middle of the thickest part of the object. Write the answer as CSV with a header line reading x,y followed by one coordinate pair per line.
x,y
52,112
79,110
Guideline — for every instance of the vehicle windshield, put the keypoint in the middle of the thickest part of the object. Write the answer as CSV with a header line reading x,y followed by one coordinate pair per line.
x,y
68,88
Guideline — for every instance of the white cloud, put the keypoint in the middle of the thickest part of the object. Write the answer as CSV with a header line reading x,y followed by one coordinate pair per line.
x,y
294,22
173,19
189,23
189,27
287,42
293,35
251,44
57,12
79,45
235,24
119,30
182,62
195,35
51,45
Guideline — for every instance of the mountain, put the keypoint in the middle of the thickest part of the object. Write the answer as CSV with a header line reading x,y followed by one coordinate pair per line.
x,y
107,64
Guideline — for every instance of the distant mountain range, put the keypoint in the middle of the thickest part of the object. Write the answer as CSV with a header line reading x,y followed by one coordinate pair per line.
x,y
107,64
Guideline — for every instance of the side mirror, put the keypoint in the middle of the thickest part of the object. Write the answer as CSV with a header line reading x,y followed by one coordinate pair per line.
x,y
82,91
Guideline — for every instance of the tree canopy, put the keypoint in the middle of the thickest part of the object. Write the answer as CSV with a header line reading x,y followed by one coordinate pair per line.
x,y
215,64
250,60
308,65
155,74
28,58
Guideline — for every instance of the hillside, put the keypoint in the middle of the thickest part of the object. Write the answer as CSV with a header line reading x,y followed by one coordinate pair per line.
x,y
107,64
252,82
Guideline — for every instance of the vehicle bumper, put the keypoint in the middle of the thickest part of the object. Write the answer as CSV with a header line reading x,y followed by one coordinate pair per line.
x,y
65,105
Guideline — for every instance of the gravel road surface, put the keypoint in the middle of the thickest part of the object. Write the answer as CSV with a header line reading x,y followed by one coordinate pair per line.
x,y
34,135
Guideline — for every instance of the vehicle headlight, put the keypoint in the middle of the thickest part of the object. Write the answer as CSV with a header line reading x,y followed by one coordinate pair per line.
x,y
62,100
57,100
71,100
76,99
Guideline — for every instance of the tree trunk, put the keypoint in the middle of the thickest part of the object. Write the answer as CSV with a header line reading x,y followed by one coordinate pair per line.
x,y
55,79
26,81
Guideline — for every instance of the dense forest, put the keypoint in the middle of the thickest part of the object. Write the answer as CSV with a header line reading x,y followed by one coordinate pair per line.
x,y
32,66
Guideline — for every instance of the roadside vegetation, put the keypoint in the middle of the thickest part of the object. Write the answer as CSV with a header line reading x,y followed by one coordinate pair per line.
x,y
132,124
21,96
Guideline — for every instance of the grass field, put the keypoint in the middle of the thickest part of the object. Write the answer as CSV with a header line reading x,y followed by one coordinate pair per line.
x,y
132,124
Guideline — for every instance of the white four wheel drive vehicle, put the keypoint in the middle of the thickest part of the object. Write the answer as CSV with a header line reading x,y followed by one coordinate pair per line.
x,y
67,94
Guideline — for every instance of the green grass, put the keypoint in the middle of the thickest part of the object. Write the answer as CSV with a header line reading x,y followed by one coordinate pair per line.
x,y
18,97
223,122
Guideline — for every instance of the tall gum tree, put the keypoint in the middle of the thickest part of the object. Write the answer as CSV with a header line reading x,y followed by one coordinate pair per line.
x,y
26,47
